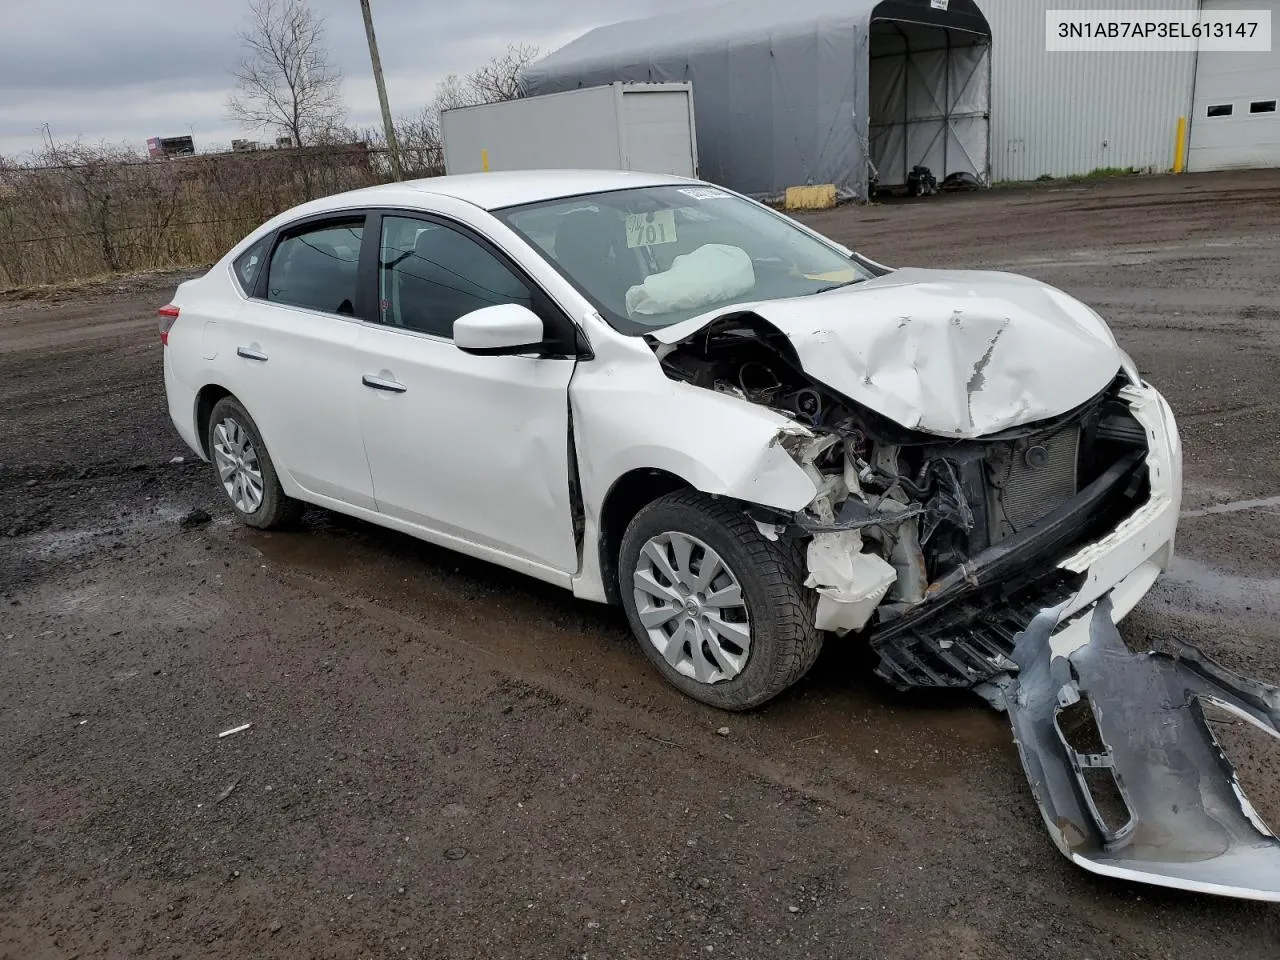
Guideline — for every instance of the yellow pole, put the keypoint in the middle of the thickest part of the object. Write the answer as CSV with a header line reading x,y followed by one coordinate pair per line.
x,y
484,160
1180,147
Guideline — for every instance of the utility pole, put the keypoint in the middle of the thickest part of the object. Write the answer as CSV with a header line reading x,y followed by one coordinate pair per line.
x,y
393,148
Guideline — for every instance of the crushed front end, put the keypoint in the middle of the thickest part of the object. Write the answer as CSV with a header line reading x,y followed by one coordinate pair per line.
x,y
939,549
1002,563
1062,514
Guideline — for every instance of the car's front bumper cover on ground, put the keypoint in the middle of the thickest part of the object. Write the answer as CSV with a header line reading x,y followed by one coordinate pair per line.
x,y
1154,798
1183,819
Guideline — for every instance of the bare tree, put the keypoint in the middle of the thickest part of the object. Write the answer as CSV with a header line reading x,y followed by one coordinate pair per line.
x,y
499,79
285,81
453,91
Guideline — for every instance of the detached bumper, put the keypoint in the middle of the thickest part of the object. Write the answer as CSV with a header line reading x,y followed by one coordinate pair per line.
x,y
1127,773
1125,769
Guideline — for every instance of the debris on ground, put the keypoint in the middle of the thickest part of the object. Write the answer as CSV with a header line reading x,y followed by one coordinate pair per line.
x,y
229,790
195,518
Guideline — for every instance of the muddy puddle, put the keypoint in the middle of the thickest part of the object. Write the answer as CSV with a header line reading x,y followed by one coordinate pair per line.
x,y
1237,506
1194,587
53,545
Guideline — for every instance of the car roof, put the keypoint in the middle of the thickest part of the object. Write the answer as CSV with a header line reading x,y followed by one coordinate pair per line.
x,y
492,191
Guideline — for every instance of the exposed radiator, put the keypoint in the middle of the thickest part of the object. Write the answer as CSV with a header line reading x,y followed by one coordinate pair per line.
x,y
1030,479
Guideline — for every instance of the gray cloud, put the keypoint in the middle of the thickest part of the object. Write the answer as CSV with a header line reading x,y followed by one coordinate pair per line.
x,y
131,69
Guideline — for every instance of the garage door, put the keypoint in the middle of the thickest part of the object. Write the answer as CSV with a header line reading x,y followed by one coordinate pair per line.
x,y
1235,121
658,130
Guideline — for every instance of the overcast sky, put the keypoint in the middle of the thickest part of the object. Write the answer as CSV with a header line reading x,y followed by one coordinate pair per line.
x,y
126,70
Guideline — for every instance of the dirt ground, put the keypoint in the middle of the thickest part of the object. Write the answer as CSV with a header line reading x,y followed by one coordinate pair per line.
x,y
448,760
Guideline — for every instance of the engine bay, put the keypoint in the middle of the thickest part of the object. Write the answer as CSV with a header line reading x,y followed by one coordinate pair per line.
x,y
924,507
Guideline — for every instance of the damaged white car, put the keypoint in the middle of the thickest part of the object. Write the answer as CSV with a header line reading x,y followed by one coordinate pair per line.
x,y
656,392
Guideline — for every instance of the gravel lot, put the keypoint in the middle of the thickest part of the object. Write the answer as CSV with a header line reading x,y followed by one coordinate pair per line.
x,y
450,760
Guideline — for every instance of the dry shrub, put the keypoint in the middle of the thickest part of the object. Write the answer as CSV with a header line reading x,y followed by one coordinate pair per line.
x,y
77,211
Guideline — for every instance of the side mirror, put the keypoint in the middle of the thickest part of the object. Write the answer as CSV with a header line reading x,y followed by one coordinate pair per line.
x,y
504,329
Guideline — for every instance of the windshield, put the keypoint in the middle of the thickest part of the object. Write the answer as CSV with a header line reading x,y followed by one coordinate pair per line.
x,y
651,257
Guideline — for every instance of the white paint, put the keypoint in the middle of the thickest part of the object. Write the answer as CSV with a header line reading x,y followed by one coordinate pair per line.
x,y
959,354
311,429
1251,865
499,327
476,447
1073,637
1126,560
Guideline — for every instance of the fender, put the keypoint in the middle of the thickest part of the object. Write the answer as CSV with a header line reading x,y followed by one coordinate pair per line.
x,y
715,443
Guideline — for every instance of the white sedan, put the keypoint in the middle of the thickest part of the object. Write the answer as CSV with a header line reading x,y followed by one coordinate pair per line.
x,y
656,392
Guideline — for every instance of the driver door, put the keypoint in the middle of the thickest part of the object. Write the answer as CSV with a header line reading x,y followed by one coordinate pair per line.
x,y
474,449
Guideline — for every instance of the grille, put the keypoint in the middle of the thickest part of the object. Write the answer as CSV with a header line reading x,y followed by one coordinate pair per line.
x,y
973,642
1031,479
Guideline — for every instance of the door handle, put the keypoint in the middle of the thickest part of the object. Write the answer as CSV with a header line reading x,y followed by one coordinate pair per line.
x,y
378,383
250,354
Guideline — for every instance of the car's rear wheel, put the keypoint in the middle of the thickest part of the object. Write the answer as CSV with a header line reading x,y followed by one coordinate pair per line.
x,y
718,608
245,470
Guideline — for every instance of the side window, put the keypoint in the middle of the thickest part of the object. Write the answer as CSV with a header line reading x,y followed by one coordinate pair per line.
x,y
430,275
249,263
316,268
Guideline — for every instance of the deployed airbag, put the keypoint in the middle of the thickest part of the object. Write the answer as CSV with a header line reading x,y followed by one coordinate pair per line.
x,y
714,273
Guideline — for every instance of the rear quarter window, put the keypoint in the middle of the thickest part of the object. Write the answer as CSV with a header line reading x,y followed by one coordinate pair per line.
x,y
249,264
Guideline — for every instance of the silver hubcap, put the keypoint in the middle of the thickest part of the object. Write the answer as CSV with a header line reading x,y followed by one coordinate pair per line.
x,y
691,605
238,466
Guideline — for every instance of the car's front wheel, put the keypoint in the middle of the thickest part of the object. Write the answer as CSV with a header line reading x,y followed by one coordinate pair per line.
x,y
720,609
245,469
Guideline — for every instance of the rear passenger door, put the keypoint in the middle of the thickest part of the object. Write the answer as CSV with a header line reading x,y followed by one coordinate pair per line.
x,y
292,353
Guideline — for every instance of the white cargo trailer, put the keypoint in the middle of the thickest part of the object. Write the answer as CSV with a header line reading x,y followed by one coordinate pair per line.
x,y
622,126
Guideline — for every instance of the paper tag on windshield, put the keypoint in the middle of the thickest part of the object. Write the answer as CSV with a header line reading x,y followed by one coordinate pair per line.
x,y
704,193
651,229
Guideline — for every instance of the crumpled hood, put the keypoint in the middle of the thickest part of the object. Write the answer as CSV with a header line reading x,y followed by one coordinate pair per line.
x,y
956,353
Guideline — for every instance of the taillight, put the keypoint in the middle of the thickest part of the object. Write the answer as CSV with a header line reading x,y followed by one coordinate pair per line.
x,y
168,314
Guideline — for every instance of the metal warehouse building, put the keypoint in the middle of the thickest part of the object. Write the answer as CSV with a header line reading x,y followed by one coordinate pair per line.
x,y
1071,113
777,106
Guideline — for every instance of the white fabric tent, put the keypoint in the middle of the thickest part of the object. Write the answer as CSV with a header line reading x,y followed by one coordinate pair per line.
x,y
787,95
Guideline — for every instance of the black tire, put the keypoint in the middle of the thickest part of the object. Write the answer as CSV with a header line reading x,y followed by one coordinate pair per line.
x,y
276,509
784,641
